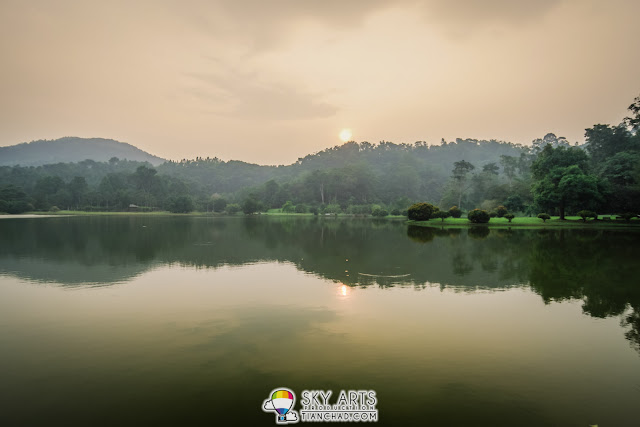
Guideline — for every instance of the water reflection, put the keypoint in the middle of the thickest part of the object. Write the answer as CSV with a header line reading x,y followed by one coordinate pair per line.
x,y
209,309
598,267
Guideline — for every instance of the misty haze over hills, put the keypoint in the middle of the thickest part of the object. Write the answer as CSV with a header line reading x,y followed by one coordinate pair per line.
x,y
72,149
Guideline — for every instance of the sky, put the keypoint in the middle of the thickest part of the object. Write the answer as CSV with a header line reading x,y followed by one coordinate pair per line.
x,y
271,81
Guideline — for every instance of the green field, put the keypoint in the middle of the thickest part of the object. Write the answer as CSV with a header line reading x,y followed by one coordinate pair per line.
x,y
570,221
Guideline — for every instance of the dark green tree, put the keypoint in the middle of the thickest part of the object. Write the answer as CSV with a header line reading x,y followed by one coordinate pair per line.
x,y
421,211
561,180
219,204
455,212
250,206
441,214
478,216
544,217
181,204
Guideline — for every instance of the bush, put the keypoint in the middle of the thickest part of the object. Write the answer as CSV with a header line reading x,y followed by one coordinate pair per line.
x,y
627,216
181,204
301,208
441,214
584,214
314,210
421,211
54,209
219,204
455,212
251,205
333,208
478,216
493,214
544,217
509,216
501,211
359,209
396,212
233,208
379,212
288,207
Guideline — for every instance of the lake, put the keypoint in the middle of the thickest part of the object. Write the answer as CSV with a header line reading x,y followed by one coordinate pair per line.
x,y
153,320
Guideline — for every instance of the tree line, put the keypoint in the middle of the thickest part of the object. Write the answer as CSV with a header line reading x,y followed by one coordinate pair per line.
x,y
551,176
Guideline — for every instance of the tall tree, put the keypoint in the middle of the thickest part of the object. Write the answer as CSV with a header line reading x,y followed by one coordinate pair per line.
x,y
561,180
460,175
633,121
604,141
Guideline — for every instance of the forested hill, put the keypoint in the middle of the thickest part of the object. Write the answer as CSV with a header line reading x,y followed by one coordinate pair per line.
x,y
72,149
358,171
352,173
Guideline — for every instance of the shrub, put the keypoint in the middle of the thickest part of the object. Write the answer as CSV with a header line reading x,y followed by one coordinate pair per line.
x,y
54,209
544,217
219,204
627,216
301,208
441,214
233,208
493,214
421,211
478,216
509,216
314,210
379,212
332,208
181,204
501,211
251,205
359,209
455,212
288,207
396,212
584,214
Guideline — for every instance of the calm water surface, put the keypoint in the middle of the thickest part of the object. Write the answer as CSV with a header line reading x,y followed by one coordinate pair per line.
x,y
193,321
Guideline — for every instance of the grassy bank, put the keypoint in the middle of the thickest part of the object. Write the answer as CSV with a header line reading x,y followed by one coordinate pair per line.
x,y
569,222
104,213
532,222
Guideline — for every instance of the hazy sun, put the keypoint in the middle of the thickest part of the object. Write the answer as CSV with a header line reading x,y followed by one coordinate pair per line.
x,y
345,135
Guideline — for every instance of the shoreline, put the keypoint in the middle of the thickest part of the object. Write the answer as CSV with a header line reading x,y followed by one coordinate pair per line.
x,y
518,222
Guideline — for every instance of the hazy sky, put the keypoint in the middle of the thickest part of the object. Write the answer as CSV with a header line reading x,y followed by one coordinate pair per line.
x,y
270,81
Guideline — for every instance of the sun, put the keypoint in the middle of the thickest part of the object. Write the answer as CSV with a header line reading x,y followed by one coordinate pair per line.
x,y
345,135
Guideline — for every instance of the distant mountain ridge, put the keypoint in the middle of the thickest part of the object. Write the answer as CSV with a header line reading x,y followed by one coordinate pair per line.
x,y
72,149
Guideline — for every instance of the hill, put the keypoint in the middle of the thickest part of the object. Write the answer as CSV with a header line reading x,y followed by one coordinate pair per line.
x,y
72,149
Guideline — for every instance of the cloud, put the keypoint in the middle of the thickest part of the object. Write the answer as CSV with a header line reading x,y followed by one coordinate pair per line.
x,y
267,24
245,95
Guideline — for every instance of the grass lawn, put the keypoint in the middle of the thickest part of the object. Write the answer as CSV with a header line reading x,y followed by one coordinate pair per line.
x,y
524,221
533,222
85,213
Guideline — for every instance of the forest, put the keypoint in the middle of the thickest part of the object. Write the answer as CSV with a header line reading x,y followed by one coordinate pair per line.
x,y
551,175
